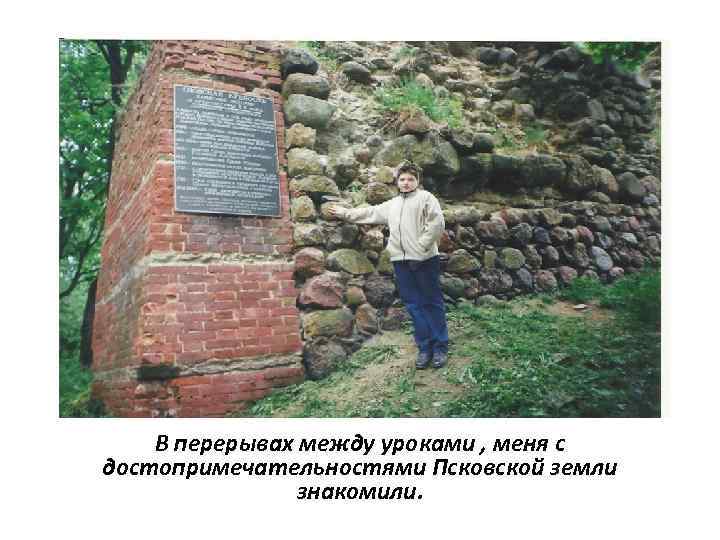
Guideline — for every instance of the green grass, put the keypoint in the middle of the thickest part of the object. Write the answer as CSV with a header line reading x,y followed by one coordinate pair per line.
x,y
519,359
539,364
635,297
408,96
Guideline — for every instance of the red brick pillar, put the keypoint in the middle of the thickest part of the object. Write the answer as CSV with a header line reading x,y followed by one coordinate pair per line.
x,y
195,314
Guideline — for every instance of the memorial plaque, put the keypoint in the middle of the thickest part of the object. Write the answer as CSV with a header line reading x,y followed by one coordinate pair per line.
x,y
225,153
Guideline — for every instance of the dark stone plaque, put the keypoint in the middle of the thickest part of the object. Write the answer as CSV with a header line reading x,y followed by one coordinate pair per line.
x,y
225,153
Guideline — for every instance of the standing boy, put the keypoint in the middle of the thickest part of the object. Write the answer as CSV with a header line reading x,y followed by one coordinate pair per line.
x,y
416,222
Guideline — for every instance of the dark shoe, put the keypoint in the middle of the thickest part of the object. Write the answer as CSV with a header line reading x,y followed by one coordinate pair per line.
x,y
439,359
423,360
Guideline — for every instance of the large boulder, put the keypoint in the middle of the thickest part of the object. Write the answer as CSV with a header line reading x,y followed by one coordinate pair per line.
x,y
309,262
308,234
601,259
511,258
366,319
298,61
314,186
330,323
380,291
324,291
308,111
461,262
321,358
492,232
545,281
355,71
351,261
304,162
377,192
309,85
303,209
631,188
606,182
299,136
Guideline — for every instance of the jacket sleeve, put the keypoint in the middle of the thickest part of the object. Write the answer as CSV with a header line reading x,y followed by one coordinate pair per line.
x,y
434,223
369,215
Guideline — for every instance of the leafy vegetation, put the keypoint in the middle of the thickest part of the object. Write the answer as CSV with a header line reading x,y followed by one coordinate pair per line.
x,y
628,54
95,79
408,97
328,59
636,297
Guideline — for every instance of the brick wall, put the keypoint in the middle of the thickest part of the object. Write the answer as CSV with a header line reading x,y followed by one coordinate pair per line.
x,y
195,314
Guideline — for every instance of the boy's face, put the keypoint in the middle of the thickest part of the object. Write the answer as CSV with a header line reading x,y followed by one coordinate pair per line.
x,y
407,182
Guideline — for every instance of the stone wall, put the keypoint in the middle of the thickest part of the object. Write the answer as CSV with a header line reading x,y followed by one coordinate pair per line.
x,y
583,201
196,314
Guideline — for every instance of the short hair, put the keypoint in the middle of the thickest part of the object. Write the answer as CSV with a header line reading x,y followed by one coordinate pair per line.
x,y
409,167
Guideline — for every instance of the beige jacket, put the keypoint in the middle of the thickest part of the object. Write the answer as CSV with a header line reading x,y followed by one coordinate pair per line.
x,y
415,221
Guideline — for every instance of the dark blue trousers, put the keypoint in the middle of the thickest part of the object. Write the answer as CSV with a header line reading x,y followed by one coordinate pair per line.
x,y
419,286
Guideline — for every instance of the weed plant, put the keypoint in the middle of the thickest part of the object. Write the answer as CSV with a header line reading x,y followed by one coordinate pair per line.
x,y
409,97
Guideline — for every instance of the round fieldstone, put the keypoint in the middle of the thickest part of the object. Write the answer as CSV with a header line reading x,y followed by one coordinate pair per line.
x,y
373,240
309,262
394,318
308,111
304,162
299,136
463,215
320,359
545,281
548,217
550,257
380,291
303,209
465,237
461,262
524,279
366,319
532,257
452,286
377,192
601,224
355,71
511,258
560,235
308,234
541,236
330,323
601,258
631,189
314,186
384,265
298,61
351,261
324,291
615,273
495,281
343,236
585,235
567,274
606,182
521,234
355,296
309,85
492,232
